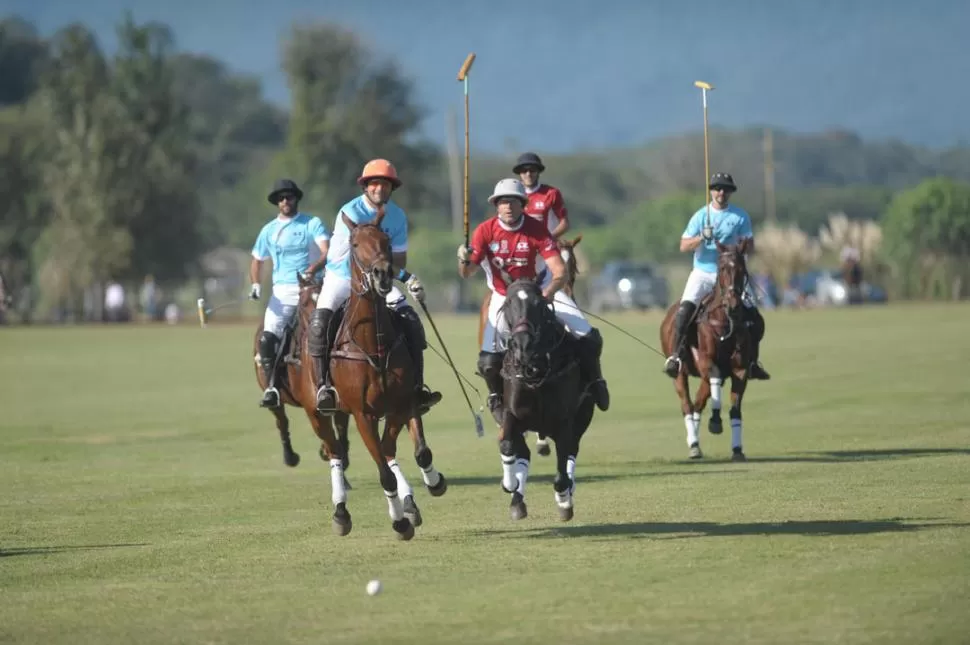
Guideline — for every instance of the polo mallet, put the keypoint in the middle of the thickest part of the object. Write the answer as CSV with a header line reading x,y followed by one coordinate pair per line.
x,y
205,311
479,428
466,67
705,87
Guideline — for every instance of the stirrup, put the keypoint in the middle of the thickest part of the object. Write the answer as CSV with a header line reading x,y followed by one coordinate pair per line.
x,y
271,398
494,403
322,393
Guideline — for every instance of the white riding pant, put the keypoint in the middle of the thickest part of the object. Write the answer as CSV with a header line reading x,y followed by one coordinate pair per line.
x,y
699,284
283,304
336,290
496,331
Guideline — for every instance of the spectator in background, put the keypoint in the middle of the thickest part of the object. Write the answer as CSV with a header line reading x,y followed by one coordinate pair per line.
x,y
114,303
852,273
149,298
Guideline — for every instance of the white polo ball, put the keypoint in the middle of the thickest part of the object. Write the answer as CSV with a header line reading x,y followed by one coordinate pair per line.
x,y
373,587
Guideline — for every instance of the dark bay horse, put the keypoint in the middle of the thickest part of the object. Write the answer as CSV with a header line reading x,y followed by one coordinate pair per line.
x,y
289,381
720,346
572,270
544,391
372,372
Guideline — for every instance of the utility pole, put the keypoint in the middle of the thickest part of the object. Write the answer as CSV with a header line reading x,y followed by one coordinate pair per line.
x,y
769,163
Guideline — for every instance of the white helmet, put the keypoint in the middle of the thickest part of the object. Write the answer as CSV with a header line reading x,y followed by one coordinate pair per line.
x,y
509,188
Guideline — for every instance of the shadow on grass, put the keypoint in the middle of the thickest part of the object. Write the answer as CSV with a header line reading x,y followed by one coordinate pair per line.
x,y
680,530
548,478
841,456
6,552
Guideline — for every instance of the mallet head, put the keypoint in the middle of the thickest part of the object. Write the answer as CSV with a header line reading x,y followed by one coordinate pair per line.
x,y
702,85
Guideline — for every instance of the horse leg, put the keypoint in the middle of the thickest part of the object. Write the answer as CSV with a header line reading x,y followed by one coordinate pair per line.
x,y
340,423
703,389
367,426
392,428
739,383
290,457
687,409
564,484
435,482
714,423
333,454
515,464
542,445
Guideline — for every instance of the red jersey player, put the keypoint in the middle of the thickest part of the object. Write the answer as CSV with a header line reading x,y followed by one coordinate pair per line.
x,y
545,203
509,247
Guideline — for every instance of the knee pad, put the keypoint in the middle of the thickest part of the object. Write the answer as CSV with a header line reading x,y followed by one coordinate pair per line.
x,y
489,364
412,322
267,345
318,331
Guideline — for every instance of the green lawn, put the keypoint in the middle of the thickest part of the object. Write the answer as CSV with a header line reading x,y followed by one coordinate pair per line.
x,y
145,501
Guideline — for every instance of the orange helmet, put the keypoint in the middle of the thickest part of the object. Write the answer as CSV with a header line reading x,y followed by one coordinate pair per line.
x,y
379,169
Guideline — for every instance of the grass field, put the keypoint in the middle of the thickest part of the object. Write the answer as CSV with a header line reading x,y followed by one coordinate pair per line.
x,y
145,500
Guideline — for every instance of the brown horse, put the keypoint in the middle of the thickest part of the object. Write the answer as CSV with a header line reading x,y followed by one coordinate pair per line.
x,y
372,372
572,270
290,383
720,345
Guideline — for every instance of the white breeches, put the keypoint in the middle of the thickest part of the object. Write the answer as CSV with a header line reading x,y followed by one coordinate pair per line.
x,y
336,289
496,331
282,307
699,284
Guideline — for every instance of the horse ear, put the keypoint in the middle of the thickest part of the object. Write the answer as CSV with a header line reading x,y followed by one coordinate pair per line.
x,y
380,215
347,221
577,239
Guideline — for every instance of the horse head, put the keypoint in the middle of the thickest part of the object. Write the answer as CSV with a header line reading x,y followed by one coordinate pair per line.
x,y
370,250
569,257
530,321
732,275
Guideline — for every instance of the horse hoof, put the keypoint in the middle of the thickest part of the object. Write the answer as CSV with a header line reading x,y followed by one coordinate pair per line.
x,y
738,455
291,459
342,524
543,449
714,426
517,509
695,452
404,529
440,488
412,512
566,514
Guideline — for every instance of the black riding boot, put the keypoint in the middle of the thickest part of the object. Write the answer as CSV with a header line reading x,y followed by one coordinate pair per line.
x,y
490,367
756,328
319,352
268,346
684,314
416,342
590,349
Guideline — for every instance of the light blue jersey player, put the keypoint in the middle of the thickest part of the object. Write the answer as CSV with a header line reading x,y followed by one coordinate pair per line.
x,y
728,224
378,180
293,241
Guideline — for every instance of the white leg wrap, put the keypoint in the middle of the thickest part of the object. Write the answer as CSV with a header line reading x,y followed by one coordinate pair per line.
x,y
394,507
403,487
521,474
691,423
509,482
736,433
338,493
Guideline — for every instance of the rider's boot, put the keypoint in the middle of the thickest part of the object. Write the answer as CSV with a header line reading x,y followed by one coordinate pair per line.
x,y
490,367
268,345
682,319
590,349
756,325
416,342
318,350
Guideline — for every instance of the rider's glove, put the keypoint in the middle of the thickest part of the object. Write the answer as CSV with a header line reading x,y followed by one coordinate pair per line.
x,y
255,291
415,288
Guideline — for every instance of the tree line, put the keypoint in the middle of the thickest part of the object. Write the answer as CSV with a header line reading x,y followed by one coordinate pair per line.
x,y
137,163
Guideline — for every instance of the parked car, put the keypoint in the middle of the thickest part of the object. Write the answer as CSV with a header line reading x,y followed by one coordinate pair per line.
x,y
826,287
628,285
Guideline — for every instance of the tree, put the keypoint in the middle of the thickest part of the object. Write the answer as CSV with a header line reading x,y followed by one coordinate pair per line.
x,y
927,236
22,53
348,108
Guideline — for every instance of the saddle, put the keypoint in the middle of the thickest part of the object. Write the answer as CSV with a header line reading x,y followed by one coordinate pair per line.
x,y
348,349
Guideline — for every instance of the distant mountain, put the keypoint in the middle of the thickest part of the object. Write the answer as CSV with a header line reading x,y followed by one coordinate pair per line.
x,y
558,75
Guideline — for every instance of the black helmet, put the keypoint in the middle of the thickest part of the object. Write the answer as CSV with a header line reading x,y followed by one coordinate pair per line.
x,y
724,180
284,186
528,159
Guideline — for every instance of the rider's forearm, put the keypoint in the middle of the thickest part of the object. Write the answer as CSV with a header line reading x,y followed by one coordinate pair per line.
x,y
688,244
558,282
466,270
560,229
400,260
254,268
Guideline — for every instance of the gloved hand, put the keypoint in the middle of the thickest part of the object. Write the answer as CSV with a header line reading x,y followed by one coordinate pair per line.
x,y
415,288
464,253
255,291
708,233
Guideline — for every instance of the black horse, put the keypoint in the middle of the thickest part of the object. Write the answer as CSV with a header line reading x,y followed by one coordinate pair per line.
x,y
545,391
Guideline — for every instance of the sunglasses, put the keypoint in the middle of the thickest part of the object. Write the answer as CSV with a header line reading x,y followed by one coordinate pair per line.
x,y
287,198
529,169
722,189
